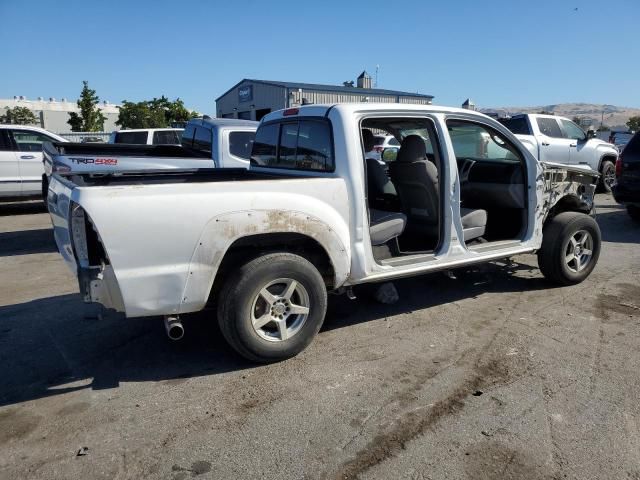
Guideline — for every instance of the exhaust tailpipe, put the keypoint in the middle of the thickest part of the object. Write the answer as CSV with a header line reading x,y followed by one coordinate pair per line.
x,y
173,325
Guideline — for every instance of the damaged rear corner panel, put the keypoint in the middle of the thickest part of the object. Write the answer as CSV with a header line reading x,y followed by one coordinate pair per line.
x,y
221,233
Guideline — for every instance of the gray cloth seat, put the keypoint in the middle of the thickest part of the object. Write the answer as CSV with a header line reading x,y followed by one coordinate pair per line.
x,y
474,223
385,226
416,180
378,183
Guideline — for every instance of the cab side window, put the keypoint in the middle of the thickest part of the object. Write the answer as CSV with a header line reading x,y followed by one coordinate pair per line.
x,y
572,130
549,127
28,141
479,143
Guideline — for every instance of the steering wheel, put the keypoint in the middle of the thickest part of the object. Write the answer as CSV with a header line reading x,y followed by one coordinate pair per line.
x,y
465,170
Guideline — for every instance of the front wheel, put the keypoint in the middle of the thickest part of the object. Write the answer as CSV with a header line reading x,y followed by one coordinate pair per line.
x,y
570,248
272,307
608,178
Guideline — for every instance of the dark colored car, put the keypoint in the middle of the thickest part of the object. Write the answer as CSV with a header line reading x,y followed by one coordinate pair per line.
x,y
627,188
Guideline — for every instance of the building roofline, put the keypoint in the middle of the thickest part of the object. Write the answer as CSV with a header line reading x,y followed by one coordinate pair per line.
x,y
330,88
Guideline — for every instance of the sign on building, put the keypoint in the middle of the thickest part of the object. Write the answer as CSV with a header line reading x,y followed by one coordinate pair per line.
x,y
245,94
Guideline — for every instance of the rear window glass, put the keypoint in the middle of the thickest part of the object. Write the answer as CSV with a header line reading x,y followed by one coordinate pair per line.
x,y
167,137
517,125
137,138
202,140
265,146
187,136
549,127
300,145
633,148
240,144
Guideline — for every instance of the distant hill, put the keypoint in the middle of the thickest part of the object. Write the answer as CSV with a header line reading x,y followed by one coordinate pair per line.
x,y
615,117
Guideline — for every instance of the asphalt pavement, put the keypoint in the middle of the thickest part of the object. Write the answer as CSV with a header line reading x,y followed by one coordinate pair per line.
x,y
492,374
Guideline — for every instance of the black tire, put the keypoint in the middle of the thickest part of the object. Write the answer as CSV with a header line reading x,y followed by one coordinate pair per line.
x,y
45,190
240,295
634,212
556,237
607,174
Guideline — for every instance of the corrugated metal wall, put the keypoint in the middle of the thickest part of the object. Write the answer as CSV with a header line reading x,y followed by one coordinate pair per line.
x,y
275,97
264,96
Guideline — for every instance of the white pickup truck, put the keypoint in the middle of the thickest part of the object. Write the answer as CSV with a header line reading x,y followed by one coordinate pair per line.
x,y
311,215
558,139
206,143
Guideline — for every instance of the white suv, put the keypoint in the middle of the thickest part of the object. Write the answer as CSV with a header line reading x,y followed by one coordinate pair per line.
x,y
21,170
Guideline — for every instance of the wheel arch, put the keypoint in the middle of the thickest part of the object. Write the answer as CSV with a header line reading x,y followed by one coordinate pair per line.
x,y
607,156
239,236
571,202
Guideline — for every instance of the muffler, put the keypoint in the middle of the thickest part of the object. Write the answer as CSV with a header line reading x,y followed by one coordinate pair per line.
x,y
173,325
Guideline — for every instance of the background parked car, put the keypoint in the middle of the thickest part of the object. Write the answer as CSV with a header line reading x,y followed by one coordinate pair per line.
x,y
554,139
21,170
620,139
627,187
148,136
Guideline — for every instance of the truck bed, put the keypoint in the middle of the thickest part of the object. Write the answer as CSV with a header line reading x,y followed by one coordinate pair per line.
x,y
123,150
157,177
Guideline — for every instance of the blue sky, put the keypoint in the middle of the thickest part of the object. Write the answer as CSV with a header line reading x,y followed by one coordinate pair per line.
x,y
499,53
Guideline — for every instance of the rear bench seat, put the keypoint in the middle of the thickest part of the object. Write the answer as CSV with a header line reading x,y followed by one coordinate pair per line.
x,y
384,226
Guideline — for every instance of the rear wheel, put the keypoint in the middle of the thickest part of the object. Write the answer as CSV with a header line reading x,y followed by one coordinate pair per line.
x,y
634,212
608,176
272,307
570,248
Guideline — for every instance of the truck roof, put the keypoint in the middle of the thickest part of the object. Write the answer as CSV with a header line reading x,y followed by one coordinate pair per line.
x,y
223,122
319,110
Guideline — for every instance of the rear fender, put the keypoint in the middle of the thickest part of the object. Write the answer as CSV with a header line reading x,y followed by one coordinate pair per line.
x,y
222,231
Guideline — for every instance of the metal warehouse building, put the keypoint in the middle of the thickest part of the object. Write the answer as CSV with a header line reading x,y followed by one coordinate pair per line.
x,y
252,99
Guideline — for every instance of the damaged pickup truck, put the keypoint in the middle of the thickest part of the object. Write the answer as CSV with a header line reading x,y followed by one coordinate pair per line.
x,y
313,214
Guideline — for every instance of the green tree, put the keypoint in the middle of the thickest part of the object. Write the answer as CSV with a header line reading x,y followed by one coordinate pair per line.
x,y
576,120
604,128
634,123
156,113
90,118
19,116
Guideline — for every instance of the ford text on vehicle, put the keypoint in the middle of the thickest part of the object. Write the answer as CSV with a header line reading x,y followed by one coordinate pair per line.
x,y
265,245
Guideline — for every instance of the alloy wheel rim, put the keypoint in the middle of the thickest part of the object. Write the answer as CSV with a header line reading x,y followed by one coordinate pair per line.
x,y
280,309
610,176
579,251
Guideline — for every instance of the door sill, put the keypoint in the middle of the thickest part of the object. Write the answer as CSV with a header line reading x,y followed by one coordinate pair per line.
x,y
492,246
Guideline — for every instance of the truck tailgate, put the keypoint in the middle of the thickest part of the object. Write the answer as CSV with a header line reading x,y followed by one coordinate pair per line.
x,y
59,203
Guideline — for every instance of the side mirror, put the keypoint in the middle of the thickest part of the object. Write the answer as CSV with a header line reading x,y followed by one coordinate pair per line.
x,y
389,154
591,134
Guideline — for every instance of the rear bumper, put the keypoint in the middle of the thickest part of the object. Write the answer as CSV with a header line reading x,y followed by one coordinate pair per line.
x,y
99,285
627,194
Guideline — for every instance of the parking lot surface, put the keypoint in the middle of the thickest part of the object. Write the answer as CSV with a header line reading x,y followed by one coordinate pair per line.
x,y
491,374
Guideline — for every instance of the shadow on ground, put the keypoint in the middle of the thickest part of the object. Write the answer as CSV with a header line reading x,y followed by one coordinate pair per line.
x,y
27,242
22,208
616,225
46,344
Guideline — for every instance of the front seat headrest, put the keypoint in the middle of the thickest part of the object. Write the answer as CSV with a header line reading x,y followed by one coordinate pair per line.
x,y
368,140
412,149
